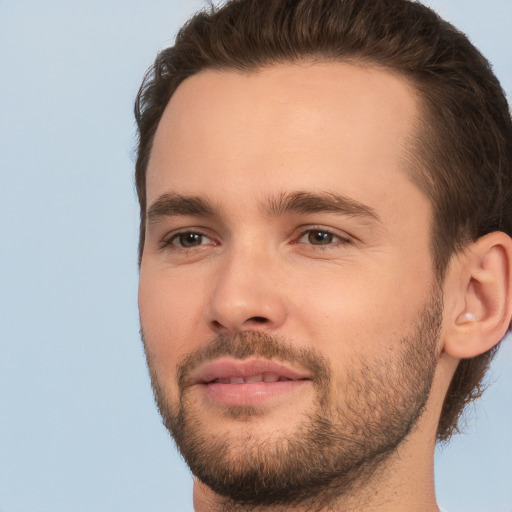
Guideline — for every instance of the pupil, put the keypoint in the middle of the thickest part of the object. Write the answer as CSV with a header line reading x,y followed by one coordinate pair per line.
x,y
320,237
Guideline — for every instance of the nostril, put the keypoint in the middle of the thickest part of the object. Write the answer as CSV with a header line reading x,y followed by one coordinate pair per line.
x,y
253,320
258,319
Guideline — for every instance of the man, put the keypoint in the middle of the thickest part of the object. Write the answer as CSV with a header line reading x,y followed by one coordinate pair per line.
x,y
325,252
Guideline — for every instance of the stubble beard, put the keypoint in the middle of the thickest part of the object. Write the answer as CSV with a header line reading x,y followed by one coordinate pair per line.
x,y
358,421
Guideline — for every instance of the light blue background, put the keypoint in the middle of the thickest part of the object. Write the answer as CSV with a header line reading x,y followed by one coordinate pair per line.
x,y
78,428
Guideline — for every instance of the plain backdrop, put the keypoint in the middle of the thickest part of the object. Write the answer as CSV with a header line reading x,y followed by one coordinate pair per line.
x,y
78,428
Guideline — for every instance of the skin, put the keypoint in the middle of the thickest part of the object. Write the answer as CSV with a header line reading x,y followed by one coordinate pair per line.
x,y
242,140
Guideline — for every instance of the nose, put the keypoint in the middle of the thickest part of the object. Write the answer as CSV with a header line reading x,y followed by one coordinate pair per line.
x,y
247,294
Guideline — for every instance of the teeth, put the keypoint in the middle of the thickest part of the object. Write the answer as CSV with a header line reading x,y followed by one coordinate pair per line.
x,y
262,377
254,378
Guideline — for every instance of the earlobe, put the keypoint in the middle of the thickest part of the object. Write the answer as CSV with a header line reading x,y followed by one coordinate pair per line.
x,y
484,303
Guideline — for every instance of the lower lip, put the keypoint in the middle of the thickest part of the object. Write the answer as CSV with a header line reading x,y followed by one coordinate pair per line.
x,y
251,394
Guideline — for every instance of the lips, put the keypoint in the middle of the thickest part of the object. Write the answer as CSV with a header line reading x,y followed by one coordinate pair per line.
x,y
249,382
230,371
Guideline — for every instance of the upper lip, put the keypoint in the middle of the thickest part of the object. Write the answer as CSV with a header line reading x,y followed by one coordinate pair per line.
x,y
232,368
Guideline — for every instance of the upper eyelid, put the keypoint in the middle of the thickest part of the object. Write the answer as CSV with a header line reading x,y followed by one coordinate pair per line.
x,y
180,231
332,231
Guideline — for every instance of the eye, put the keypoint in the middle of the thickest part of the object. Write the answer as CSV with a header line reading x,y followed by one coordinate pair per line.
x,y
321,237
188,240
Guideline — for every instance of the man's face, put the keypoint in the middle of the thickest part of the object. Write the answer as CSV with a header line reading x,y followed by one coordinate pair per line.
x,y
288,305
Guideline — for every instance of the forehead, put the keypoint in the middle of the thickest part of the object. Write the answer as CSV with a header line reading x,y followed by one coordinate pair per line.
x,y
300,126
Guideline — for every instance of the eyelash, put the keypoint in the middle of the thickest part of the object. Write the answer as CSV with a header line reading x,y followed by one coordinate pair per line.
x,y
341,240
168,243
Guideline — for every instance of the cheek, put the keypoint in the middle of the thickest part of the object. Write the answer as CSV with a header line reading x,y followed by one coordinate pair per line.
x,y
170,311
357,312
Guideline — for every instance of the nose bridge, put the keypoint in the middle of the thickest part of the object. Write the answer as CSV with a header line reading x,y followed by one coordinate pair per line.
x,y
247,294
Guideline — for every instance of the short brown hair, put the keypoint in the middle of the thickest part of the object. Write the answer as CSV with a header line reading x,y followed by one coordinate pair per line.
x,y
461,157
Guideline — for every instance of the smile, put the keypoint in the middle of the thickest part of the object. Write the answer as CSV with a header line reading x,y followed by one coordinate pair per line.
x,y
231,382
262,377
235,371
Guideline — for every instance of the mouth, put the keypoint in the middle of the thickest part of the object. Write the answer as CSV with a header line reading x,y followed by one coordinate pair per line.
x,y
233,371
262,377
248,382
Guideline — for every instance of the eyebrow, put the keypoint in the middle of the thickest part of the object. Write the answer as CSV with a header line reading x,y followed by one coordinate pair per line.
x,y
173,204
169,205
307,202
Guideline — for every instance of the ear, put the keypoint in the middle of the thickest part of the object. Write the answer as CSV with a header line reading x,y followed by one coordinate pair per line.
x,y
478,301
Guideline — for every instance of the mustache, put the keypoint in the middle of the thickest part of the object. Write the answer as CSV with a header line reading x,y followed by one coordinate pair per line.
x,y
258,345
